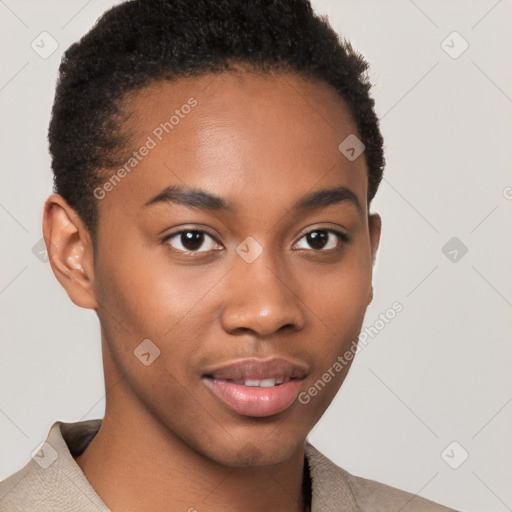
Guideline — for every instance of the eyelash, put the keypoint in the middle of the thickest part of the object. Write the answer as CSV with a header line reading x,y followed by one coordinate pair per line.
x,y
342,237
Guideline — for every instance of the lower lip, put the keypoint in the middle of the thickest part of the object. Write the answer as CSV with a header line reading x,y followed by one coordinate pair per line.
x,y
254,400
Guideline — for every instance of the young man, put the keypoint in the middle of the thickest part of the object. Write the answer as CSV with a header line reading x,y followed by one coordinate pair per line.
x,y
214,163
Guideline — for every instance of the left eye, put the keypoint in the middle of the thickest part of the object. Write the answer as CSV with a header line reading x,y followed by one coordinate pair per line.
x,y
324,239
191,240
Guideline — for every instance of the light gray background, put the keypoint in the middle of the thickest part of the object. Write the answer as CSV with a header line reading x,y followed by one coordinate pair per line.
x,y
439,372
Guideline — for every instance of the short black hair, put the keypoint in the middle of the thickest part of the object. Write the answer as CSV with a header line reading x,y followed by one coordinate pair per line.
x,y
141,41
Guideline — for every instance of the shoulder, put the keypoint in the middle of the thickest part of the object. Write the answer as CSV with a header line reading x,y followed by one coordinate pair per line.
x,y
32,486
330,484
51,480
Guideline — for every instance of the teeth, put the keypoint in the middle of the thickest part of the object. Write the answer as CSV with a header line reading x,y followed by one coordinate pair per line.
x,y
263,383
267,383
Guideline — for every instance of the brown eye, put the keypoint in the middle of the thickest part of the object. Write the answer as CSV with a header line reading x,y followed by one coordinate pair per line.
x,y
317,239
324,239
191,240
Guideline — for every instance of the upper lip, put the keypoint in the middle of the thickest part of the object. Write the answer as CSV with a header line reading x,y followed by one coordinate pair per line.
x,y
258,369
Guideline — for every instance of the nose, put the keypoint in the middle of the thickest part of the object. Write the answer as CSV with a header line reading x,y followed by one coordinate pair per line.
x,y
260,297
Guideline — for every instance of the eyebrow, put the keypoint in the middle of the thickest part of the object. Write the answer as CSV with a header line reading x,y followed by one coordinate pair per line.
x,y
327,197
196,198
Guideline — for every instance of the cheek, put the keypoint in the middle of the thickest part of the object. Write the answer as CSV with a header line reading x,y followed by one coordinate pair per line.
x,y
140,301
338,308
148,292
147,298
340,298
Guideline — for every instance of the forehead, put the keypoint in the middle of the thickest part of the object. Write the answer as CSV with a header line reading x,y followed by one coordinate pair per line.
x,y
262,103
274,135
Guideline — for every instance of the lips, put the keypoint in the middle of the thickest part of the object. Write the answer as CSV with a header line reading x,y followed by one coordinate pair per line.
x,y
256,388
256,369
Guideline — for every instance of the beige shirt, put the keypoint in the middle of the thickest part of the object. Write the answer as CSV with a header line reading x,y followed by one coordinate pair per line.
x,y
53,481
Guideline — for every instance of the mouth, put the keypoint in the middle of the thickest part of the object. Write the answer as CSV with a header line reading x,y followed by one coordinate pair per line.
x,y
256,388
257,383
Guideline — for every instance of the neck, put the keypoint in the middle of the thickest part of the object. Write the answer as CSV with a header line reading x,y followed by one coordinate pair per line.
x,y
135,464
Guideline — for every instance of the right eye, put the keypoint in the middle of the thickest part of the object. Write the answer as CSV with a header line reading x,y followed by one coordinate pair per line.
x,y
191,241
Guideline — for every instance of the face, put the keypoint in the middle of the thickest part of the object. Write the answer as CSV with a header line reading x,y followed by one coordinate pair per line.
x,y
239,243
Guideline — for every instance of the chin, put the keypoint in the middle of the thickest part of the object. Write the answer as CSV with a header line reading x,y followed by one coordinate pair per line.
x,y
249,451
252,456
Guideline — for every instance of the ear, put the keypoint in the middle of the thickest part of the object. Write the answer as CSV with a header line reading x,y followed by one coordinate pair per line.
x,y
375,227
70,251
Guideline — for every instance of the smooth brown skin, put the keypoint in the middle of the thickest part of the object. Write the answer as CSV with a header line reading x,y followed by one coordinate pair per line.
x,y
260,142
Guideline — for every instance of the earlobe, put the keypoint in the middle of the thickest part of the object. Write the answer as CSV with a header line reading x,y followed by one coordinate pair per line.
x,y
375,228
70,251
370,296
